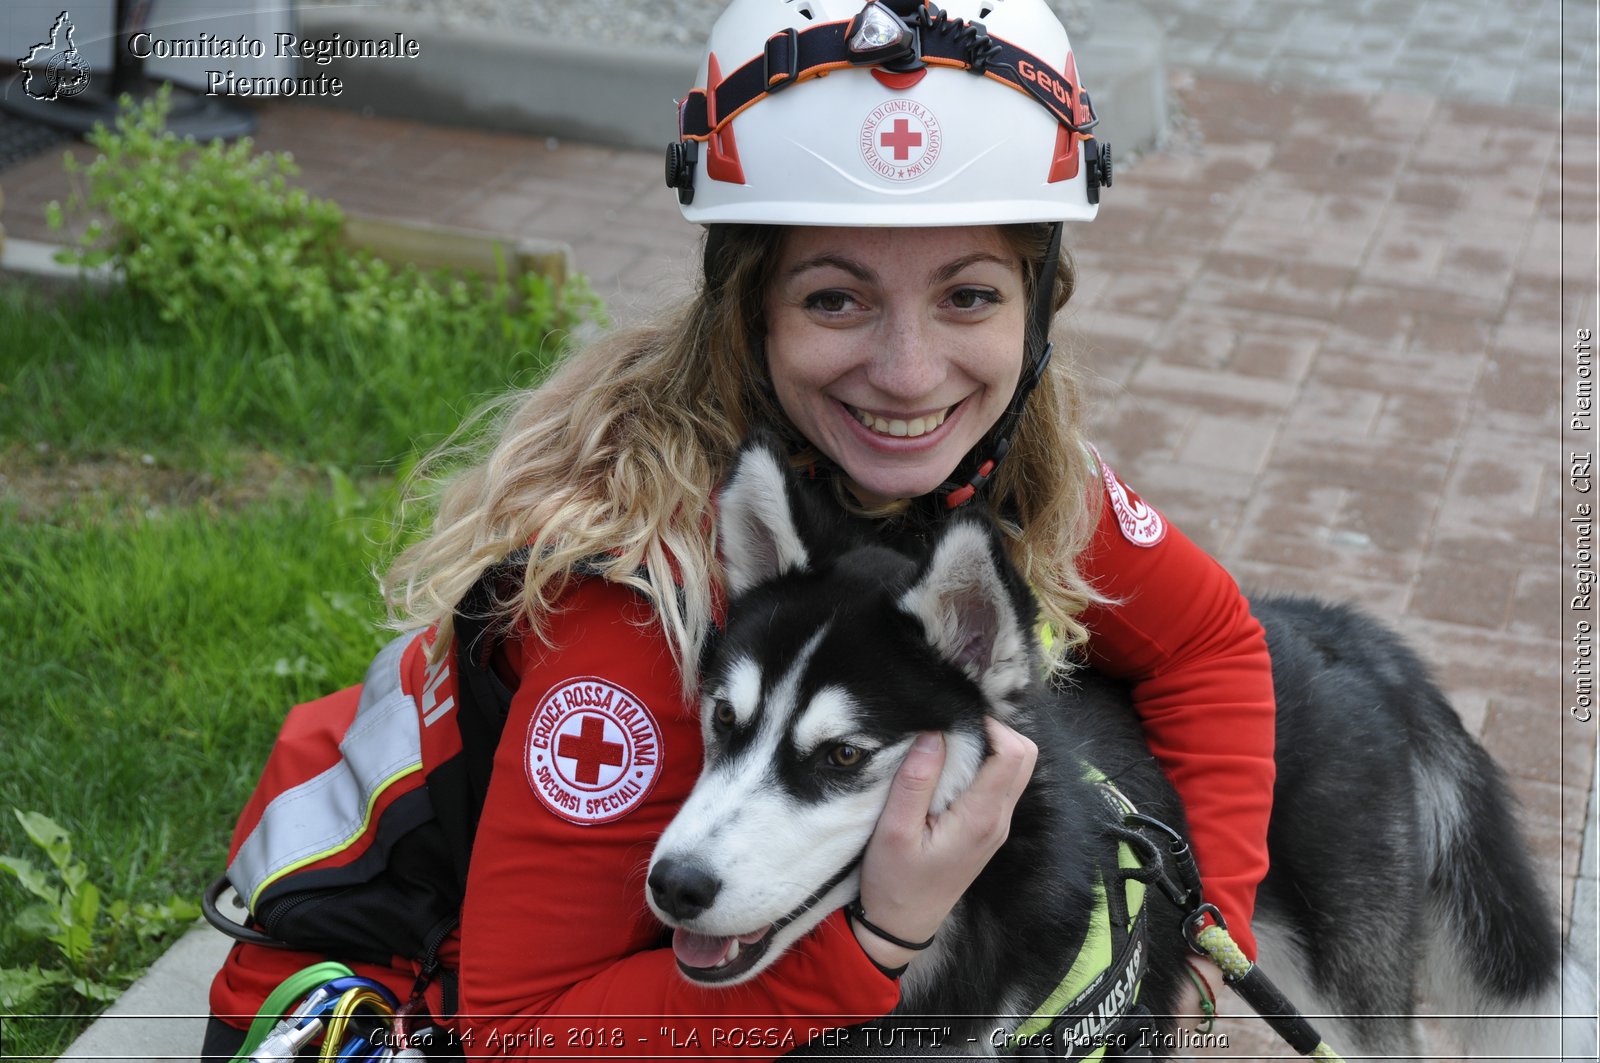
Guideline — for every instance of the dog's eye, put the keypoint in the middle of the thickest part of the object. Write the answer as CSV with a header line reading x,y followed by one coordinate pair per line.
x,y
845,755
722,715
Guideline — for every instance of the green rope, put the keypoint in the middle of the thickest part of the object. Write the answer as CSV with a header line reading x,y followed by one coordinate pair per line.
x,y
1224,951
1208,1003
1226,954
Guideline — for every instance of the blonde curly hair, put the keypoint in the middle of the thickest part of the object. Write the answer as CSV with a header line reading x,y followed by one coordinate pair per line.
x,y
608,467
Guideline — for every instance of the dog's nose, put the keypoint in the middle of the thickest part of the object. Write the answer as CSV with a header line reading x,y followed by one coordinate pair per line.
x,y
682,888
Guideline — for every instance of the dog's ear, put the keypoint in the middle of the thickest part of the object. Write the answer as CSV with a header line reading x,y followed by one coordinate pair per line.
x,y
969,612
756,526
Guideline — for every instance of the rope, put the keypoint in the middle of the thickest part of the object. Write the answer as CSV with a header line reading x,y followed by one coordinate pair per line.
x,y
1208,997
1212,940
1224,952
1259,993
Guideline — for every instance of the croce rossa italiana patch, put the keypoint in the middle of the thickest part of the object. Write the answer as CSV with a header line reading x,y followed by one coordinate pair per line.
x,y
593,751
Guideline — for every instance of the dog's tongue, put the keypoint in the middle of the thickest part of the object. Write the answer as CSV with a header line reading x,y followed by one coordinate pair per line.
x,y
703,950
699,950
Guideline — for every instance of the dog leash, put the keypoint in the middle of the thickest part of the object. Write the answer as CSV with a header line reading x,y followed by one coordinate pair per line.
x,y
1247,980
1213,941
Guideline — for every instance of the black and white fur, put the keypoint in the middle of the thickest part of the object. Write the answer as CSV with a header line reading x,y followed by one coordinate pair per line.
x,y
1395,855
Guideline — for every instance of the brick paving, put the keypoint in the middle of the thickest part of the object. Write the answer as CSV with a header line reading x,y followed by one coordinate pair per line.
x,y
1525,53
1329,338
1325,329
1332,352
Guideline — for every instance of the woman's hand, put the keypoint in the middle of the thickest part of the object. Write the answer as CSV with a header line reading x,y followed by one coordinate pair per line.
x,y
918,865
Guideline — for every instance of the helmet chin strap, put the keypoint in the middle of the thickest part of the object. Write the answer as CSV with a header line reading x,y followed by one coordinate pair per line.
x,y
984,458
711,257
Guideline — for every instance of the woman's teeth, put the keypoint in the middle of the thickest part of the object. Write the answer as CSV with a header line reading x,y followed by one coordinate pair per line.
x,y
917,426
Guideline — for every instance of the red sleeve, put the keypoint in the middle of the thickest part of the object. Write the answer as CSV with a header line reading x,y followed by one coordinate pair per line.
x,y
1180,630
556,938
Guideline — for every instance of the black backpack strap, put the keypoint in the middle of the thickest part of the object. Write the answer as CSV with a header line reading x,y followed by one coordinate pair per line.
x,y
458,786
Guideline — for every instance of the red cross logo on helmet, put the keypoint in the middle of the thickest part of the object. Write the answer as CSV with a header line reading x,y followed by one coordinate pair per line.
x,y
900,139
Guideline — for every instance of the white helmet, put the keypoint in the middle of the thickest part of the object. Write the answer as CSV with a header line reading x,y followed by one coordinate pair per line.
x,y
893,112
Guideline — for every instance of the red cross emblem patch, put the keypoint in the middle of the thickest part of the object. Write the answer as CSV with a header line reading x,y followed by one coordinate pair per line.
x,y
900,140
593,750
1140,524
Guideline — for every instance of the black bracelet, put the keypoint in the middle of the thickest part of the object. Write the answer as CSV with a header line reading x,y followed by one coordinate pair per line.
x,y
859,914
887,972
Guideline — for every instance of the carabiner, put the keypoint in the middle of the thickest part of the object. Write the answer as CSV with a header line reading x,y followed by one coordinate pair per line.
x,y
1196,922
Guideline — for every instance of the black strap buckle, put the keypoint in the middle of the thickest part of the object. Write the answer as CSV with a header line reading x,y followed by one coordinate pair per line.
x,y
781,63
681,158
1177,873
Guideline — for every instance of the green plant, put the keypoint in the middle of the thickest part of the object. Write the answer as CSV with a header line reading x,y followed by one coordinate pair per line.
x,y
68,916
209,231
243,324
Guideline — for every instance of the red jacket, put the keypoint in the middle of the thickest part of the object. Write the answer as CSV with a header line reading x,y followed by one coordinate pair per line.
x,y
1202,685
556,940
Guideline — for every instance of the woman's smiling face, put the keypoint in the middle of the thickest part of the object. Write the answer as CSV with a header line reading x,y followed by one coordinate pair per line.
x,y
895,350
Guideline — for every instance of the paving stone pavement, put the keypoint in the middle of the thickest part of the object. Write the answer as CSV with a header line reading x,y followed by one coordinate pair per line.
x,y
1334,352
1325,331
1527,53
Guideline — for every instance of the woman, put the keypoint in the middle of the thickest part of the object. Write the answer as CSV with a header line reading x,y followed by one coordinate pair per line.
x,y
884,187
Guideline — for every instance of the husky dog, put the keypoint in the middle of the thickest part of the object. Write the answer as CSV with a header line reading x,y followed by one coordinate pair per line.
x,y
1392,838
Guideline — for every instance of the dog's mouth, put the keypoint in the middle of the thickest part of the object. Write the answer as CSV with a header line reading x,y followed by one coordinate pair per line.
x,y
711,959
705,958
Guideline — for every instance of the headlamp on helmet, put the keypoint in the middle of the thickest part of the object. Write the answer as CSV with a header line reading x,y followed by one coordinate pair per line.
x,y
879,37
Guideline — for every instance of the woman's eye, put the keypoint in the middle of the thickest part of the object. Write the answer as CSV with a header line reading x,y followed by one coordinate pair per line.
x,y
845,755
829,302
972,298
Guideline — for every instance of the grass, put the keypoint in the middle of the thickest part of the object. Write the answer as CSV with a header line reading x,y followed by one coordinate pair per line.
x,y
154,658
102,371
152,636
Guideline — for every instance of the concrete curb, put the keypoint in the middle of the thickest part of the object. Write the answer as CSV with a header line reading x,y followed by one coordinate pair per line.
x,y
517,81
33,258
163,1014
429,247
